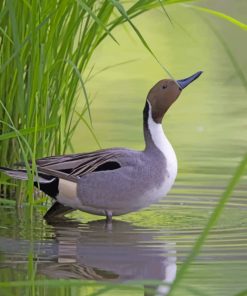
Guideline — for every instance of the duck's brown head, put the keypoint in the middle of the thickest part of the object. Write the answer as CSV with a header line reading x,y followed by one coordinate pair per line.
x,y
164,93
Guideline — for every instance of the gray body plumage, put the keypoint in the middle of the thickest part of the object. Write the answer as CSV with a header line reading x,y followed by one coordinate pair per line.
x,y
127,188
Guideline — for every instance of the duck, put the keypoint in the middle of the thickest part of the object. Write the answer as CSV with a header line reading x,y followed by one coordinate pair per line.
x,y
115,181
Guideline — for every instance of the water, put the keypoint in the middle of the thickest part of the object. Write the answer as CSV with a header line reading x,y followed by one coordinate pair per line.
x,y
207,128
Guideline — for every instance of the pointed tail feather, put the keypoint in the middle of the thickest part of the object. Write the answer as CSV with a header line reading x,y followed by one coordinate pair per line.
x,y
16,174
46,183
22,175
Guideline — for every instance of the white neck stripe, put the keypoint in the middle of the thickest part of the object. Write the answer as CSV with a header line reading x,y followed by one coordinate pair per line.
x,y
157,133
162,143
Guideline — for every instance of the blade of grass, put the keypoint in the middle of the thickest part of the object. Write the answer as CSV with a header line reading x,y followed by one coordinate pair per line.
x,y
17,47
122,11
242,293
83,88
90,129
220,15
17,50
21,139
97,20
229,53
6,183
165,11
64,283
25,131
92,75
241,169
6,35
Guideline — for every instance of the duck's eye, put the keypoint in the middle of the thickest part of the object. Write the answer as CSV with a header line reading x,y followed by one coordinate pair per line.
x,y
164,86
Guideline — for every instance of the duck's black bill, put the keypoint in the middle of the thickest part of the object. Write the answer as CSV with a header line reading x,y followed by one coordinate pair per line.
x,y
184,82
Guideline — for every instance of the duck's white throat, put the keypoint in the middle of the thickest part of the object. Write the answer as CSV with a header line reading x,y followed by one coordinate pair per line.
x,y
162,143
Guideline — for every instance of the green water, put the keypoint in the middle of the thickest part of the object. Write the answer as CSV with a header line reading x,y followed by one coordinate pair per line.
x,y
207,128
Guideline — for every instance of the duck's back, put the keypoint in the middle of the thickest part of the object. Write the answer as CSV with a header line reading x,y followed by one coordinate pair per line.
x,y
139,181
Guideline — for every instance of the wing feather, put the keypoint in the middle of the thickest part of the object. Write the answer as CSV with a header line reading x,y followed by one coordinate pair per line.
x,y
73,166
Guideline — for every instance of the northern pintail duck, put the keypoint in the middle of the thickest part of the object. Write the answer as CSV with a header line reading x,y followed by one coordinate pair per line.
x,y
115,181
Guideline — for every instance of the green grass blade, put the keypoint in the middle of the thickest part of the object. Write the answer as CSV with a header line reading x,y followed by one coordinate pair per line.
x,y
97,20
3,182
220,15
83,87
242,293
165,11
122,11
6,35
24,132
92,75
17,50
211,222
17,46
90,129
229,53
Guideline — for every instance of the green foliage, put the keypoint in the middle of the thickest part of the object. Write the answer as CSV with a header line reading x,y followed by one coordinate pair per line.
x,y
44,48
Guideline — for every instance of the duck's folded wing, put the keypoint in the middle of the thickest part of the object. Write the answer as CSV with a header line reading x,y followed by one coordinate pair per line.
x,y
73,166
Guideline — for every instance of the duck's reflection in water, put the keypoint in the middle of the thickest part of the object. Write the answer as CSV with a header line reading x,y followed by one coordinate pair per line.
x,y
118,252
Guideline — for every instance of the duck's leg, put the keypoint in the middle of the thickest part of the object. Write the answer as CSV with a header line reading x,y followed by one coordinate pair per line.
x,y
108,215
57,210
